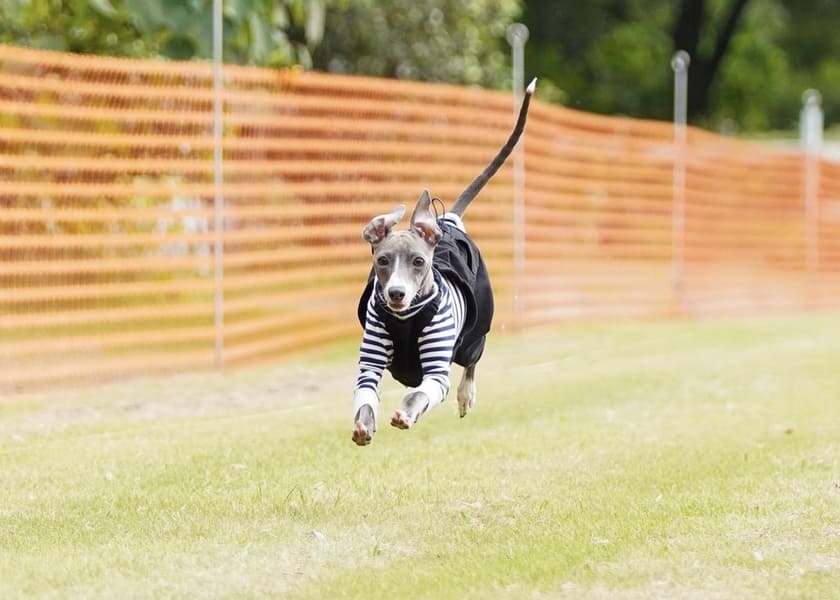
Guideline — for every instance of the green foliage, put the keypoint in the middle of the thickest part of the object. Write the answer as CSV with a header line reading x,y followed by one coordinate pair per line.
x,y
754,87
260,32
813,49
92,26
455,41
613,56
609,56
827,80
627,67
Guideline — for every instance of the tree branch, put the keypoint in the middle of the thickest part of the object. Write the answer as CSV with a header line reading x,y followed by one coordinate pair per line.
x,y
725,35
686,34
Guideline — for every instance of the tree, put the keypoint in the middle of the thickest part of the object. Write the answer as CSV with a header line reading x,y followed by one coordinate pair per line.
x,y
704,67
608,56
260,32
753,87
812,46
613,56
751,59
92,26
455,41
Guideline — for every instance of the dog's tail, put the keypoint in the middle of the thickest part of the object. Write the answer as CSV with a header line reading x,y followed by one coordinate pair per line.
x,y
479,182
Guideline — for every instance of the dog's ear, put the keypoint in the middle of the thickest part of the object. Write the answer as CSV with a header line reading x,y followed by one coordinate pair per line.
x,y
423,221
380,226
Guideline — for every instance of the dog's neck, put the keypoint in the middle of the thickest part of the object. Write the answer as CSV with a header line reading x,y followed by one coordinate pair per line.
x,y
427,294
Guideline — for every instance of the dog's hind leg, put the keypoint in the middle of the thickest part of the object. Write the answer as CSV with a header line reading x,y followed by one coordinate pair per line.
x,y
466,391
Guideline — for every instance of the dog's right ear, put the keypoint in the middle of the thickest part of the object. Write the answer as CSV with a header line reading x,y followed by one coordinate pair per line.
x,y
380,226
423,221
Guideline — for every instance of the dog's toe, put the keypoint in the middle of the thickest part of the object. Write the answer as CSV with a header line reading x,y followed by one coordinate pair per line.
x,y
401,420
465,404
361,435
364,426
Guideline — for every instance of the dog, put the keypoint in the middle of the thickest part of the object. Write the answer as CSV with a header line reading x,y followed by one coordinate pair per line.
x,y
428,303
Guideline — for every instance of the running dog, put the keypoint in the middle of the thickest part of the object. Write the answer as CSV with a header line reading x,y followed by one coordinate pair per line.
x,y
428,303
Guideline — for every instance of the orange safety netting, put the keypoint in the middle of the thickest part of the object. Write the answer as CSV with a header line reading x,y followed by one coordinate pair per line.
x,y
107,237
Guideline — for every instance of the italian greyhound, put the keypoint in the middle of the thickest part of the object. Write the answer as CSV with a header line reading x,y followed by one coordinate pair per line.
x,y
428,303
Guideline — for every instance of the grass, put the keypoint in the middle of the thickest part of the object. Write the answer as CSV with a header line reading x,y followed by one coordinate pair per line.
x,y
624,460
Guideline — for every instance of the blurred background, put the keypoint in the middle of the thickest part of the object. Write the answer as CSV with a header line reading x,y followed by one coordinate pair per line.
x,y
175,204
751,59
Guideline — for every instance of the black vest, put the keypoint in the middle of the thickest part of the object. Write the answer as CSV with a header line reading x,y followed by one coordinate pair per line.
x,y
457,258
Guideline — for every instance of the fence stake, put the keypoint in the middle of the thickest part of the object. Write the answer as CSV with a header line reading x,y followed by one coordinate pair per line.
x,y
811,137
517,36
679,63
218,199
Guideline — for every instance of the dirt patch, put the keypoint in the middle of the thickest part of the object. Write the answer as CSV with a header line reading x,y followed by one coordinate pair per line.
x,y
288,387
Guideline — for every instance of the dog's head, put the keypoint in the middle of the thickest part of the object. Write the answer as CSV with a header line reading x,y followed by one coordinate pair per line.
x,y
402,260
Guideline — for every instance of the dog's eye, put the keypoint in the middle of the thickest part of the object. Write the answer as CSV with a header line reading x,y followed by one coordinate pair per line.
x,y
382,261
419,261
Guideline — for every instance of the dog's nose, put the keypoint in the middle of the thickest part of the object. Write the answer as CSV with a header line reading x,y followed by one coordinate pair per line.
x,y
396,294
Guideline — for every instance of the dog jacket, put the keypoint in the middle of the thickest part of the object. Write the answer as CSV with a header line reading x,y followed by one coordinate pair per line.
x,y
457,262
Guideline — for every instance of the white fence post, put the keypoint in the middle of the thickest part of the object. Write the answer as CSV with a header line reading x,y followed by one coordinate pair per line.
x,y
517,35
679,63
218,174
811,138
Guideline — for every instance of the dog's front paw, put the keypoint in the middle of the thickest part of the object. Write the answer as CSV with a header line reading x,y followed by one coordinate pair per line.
x,y
401,420
413,407
364,427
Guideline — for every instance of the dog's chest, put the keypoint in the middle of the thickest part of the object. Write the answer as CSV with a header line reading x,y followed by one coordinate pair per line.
x,y
405,364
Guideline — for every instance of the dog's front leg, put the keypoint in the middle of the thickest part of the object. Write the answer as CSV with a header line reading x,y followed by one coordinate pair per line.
x,y
413,406
364,421
420,400
365,426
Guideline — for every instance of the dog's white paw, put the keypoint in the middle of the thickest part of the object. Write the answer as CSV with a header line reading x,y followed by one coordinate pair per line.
x,y
401,420
466,397
364,427
361,434
413,406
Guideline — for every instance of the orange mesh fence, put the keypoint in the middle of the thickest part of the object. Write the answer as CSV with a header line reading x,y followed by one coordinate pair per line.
x,y
107,236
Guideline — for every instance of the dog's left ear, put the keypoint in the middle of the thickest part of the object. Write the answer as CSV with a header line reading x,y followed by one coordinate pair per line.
x,y
423,222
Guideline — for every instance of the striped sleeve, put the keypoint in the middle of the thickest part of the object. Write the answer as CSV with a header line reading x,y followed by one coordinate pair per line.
x,y
437,343
375,352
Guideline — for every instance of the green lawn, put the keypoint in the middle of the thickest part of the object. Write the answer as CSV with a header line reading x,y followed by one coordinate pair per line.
x,y
630,460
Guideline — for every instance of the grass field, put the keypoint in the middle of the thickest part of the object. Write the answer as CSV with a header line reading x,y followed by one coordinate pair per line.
x,y
655,460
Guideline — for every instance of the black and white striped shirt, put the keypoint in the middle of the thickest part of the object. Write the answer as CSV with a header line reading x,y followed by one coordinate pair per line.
x,y
436,344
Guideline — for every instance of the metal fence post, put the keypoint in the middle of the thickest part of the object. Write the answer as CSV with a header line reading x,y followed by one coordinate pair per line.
x,y
811,138
517,35
218,196
679,63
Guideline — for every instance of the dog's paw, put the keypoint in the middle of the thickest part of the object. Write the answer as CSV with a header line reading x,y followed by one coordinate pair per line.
x,y
361,434
466,398
364,427
463,408
401,420
413,406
